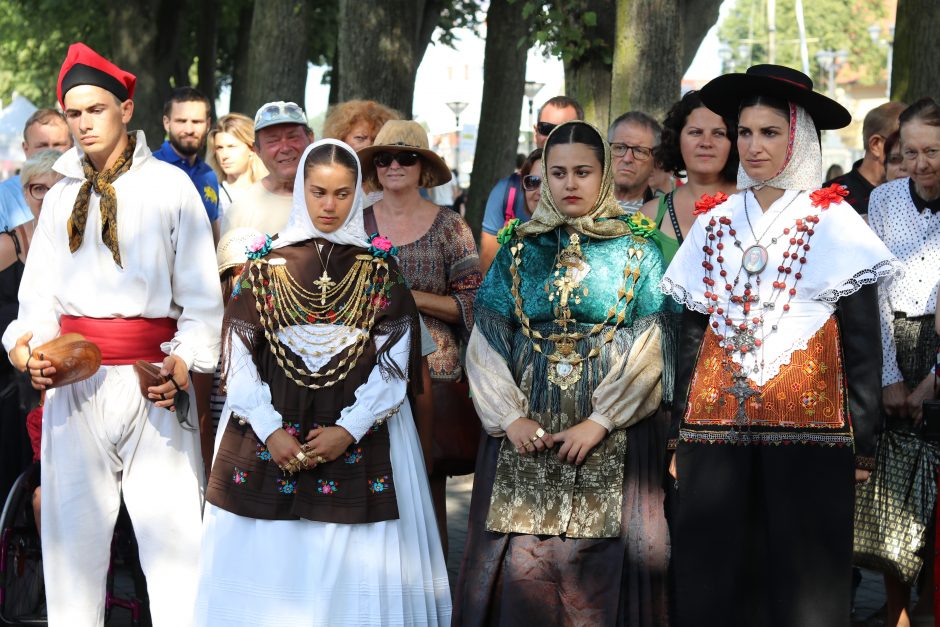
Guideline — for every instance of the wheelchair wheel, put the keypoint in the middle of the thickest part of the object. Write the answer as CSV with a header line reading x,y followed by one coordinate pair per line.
x,y
22,594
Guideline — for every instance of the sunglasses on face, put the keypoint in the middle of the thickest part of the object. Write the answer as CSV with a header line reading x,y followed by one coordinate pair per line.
x,y
404,159
531,182
544,128
640,153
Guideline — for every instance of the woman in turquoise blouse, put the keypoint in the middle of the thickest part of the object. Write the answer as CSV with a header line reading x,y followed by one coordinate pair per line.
x,y
565,363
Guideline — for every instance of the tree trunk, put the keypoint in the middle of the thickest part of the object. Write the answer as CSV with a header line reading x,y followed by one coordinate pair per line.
x,y
588,82
646,73
916,63
504,67
380,47
239,98
149,53
207,40
698,16
588,79
277,55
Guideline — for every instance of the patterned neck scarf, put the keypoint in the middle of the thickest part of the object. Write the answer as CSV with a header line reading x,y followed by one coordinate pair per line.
x,y
101,182
597,223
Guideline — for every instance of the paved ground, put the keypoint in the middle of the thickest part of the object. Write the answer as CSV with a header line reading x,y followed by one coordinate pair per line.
x,y
868,603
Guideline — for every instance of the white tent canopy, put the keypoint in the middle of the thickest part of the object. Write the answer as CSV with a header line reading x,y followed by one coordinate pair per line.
x,y
12,120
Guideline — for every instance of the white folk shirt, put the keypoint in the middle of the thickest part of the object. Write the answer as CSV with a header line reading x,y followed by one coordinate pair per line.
x,y
166,248
914,237
844,255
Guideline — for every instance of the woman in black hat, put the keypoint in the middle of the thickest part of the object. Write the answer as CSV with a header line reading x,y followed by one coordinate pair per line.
x,y
777,388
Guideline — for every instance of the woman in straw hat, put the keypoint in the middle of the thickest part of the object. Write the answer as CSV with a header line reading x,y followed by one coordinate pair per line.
x,y
439,259
318,508
566,367
777,401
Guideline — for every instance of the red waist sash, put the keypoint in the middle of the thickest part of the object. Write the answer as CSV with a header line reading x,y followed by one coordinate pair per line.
x,y
123,340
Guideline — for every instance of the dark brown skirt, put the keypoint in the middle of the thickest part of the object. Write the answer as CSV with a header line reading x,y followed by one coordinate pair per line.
x,y
547,581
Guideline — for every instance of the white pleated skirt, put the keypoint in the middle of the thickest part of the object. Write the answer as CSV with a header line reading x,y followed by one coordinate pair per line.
x,y
313,574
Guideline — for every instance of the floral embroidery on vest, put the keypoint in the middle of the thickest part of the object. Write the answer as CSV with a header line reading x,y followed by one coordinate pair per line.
x,y
286,486
354,456
262,452
379,484
327,487
239,477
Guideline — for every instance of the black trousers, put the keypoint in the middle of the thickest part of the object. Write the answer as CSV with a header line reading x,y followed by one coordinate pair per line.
x,y
762,536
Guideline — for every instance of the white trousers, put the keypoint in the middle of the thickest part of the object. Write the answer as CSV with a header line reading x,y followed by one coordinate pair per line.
x,y
100,438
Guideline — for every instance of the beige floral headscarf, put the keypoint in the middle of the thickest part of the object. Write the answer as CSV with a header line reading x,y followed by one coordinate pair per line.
x,y
599,222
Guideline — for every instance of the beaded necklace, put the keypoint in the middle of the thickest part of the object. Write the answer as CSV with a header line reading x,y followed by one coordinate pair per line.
x,y
570,269
747,336
286,306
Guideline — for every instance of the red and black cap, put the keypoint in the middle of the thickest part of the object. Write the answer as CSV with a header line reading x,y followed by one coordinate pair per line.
x,y
84,66
724,94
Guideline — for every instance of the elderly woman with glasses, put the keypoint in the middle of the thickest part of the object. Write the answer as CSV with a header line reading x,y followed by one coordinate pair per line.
x,y
438,257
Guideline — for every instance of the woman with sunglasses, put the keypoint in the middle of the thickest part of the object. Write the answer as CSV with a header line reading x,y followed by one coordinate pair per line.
x,y
438,257
531,173
565,363
699,144
894,160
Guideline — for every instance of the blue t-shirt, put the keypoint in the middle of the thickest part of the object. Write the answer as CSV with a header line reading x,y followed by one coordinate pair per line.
x,y
494,217
13,208
202,176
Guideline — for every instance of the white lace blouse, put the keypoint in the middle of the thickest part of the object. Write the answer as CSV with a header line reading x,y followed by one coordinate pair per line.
x,y
844,255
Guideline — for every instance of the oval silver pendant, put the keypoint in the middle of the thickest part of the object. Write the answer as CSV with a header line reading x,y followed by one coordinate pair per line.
x,y
755,259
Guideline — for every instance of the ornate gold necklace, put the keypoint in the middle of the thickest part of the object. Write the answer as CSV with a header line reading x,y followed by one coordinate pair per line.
x,y
285,305
570,270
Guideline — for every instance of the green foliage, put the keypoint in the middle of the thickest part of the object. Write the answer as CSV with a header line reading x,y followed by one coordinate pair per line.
x,y
568,29
35,37
830,25
458,14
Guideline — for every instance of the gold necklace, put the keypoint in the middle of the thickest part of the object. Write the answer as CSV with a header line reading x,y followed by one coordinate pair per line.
x,y
281,301
324,282
566,364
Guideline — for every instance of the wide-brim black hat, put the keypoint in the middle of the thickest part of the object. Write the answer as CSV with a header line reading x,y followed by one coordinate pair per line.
x,y
724,94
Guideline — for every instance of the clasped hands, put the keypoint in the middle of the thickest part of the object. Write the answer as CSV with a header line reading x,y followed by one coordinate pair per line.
x,y
322,445
576,442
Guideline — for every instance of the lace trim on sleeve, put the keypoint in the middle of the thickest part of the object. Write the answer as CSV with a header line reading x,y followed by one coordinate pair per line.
x,y
681,295
863,277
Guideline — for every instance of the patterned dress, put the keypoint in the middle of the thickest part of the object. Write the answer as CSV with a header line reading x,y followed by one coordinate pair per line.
x,y
445,261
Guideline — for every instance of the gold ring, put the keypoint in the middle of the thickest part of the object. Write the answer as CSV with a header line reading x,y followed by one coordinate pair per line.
x,y
320,459
300,456
539,433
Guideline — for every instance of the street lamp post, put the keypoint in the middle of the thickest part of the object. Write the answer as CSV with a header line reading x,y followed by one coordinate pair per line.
x,y
531,89
457,107
874,31
830,62
726,54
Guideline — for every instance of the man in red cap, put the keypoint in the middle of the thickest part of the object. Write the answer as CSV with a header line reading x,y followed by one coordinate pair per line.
x,y
123,254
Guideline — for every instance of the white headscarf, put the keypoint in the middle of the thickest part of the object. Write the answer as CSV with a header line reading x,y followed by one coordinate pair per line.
x,y
300,227
802,169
